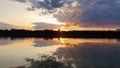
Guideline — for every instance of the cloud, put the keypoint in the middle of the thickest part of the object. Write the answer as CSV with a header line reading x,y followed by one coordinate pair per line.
x,y
30,9
93,13
102,13
37,25
6,26
42,25
85,13
49,6
22,1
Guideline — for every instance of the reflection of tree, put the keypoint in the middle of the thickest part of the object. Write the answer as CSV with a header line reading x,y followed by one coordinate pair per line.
x,y
46,61
88,55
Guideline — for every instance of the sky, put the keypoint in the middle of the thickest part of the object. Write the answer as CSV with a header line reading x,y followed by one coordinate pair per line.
x,y
60,14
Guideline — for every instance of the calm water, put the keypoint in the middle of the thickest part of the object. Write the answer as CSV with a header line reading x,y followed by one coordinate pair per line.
x,y
84,53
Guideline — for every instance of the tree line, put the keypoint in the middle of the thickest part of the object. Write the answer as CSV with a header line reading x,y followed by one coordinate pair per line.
x,y
57,34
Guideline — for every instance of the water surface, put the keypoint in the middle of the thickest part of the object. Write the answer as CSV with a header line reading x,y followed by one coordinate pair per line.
x,y
84,53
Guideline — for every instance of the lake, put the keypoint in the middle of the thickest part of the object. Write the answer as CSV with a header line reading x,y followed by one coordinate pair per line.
x,y
83,52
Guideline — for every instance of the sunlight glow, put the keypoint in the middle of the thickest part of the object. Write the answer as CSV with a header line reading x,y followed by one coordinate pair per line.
x,y
62,40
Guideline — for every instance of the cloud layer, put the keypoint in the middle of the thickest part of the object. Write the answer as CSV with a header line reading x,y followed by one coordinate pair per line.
x,y
46,6
6,26
85,13
93,13
42,25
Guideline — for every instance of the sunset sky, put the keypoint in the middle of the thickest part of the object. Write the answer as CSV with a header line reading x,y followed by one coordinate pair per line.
x,y
60,14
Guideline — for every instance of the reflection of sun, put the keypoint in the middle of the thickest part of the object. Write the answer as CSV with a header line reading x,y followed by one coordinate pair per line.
x,y
62,40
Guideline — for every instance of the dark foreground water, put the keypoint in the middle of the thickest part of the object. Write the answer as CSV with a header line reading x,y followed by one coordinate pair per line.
x,y
83,53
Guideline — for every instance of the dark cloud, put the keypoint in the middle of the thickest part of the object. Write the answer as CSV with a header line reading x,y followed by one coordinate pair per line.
x,y
93,13
47,6
41,25
30,9
102,13
21,0
86,13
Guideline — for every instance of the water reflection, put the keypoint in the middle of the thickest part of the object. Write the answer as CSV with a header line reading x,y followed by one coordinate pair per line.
x,y
39,42
16,50
84,53
44,43
92,55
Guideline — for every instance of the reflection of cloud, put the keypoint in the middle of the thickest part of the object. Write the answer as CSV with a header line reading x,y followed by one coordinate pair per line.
x,y
5,41
40,25
14,41
44,43
37,42
93,55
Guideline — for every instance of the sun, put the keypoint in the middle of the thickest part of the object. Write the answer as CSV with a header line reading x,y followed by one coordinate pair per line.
x,y
63,28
